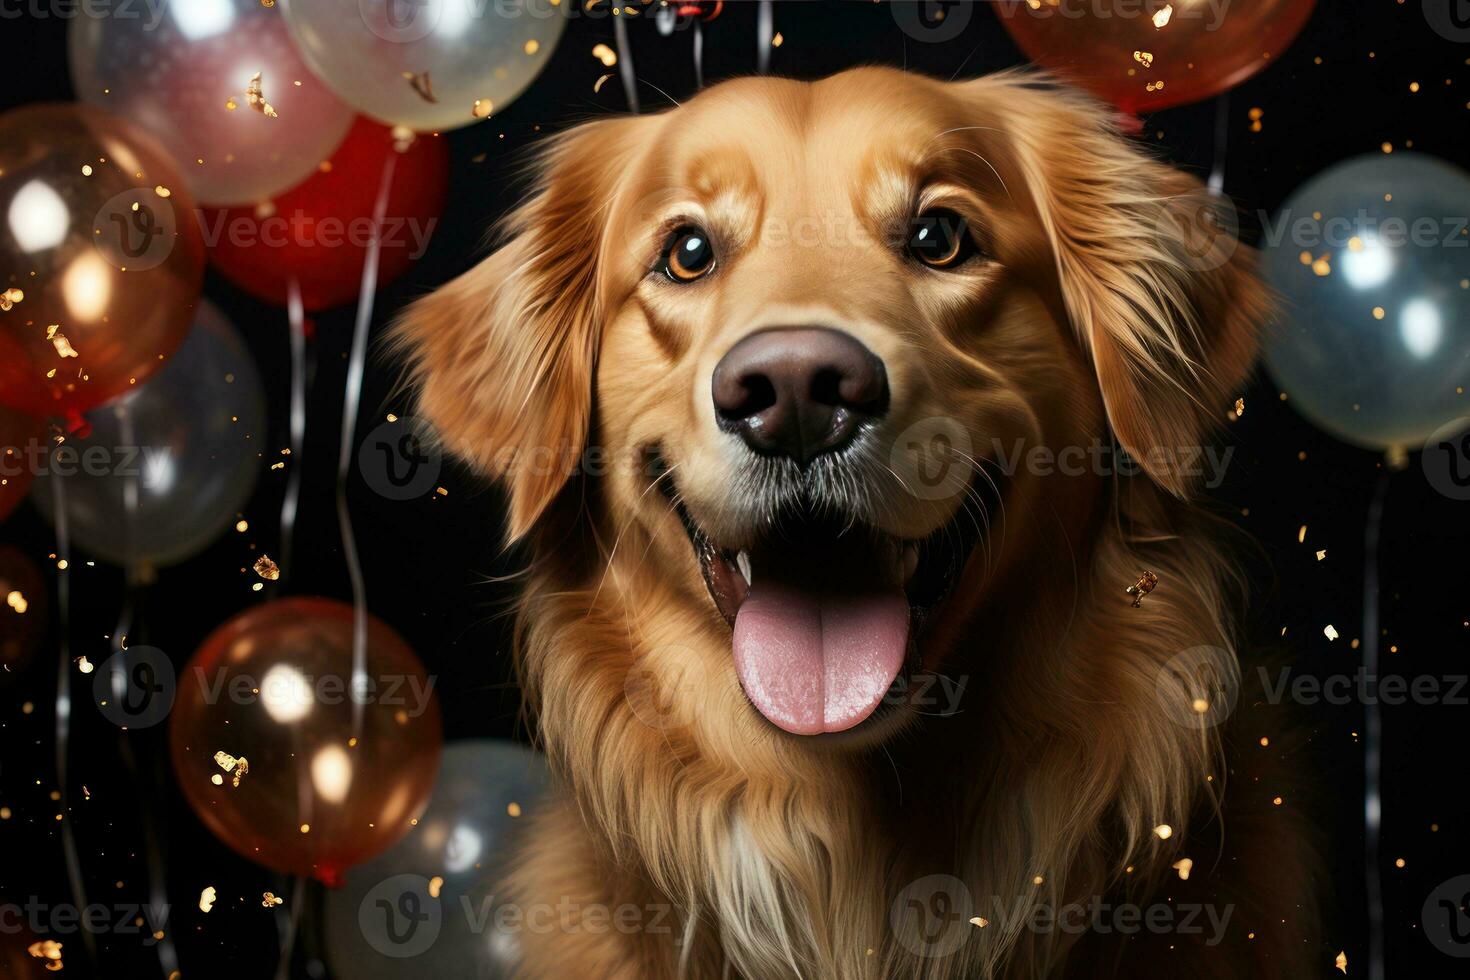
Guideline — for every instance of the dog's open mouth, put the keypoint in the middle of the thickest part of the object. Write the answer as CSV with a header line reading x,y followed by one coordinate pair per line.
x,y
825,614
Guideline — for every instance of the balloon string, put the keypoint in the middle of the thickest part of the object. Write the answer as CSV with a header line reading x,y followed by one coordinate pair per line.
x,y
1222,137
351,401
764,33
1373,732
296,314
168,959
625,63
698,55
288,940
63,702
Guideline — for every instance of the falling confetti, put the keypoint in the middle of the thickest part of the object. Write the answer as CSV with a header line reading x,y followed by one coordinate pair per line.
x,y
1239,407
482,108
979,922
1183,866
16,601
84,665
1322,554
435,884
422,84
270,900
1144,58
236,767
255,97
48,950
206,898
1146,583
267,569
602,80
514,809
1330,631
1163,831
10,297
1161,17
1341,961
606,55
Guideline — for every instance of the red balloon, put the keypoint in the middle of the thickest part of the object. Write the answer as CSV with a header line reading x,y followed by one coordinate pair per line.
x,y
1154,54
19,436
318,232
315,793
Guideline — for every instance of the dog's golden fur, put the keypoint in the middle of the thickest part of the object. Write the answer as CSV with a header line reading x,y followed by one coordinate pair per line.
x,y
1097,315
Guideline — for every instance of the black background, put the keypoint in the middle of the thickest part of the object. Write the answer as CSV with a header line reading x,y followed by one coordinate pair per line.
x,y
427,560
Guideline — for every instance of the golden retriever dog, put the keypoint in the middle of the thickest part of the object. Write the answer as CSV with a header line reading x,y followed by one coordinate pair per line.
x,y
804,396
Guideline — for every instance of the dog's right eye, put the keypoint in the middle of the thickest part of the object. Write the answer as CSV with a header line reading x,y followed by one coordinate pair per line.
x,y
688,255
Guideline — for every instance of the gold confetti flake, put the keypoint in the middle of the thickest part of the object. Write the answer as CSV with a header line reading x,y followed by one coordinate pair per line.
x,y
270,900
217,779
255,97
206,898
1322,266
1322,554
601,81
532,46
422,84
1163,831
242,526
10,297
306,828
482,108
1330,631
1161,17
268,4
513,808
84,665
48,950
1183,866
1341,961
605,54
403,138
1239,407
435,884
235,767
231,104
979,922
1146,583
1144,58
1301,534
59,341
778,40
267,569
17,601
162,191
86,170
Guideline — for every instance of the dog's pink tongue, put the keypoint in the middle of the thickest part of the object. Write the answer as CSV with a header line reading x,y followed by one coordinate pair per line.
x,y
814,662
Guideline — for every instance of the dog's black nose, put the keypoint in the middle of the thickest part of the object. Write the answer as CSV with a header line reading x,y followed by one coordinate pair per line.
x,y
798,392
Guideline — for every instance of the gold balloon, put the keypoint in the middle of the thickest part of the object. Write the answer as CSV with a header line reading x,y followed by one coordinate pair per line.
x,y
101,259
287,759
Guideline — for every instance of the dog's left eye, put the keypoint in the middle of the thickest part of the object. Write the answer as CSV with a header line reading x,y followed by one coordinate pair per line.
x,y
688,255
940,239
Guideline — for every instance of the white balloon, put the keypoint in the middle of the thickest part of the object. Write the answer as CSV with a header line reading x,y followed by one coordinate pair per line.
x,y
177,67
426,64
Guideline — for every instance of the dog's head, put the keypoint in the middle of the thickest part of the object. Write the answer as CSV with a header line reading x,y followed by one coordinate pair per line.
x,y
794,325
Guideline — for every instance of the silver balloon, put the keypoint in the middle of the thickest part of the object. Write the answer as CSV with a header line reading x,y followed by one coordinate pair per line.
x,y
1373,259
182,70
166,468
426,907
429,65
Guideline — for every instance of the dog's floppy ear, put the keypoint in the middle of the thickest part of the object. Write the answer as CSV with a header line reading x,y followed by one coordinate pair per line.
x,y
503,356
1155,282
